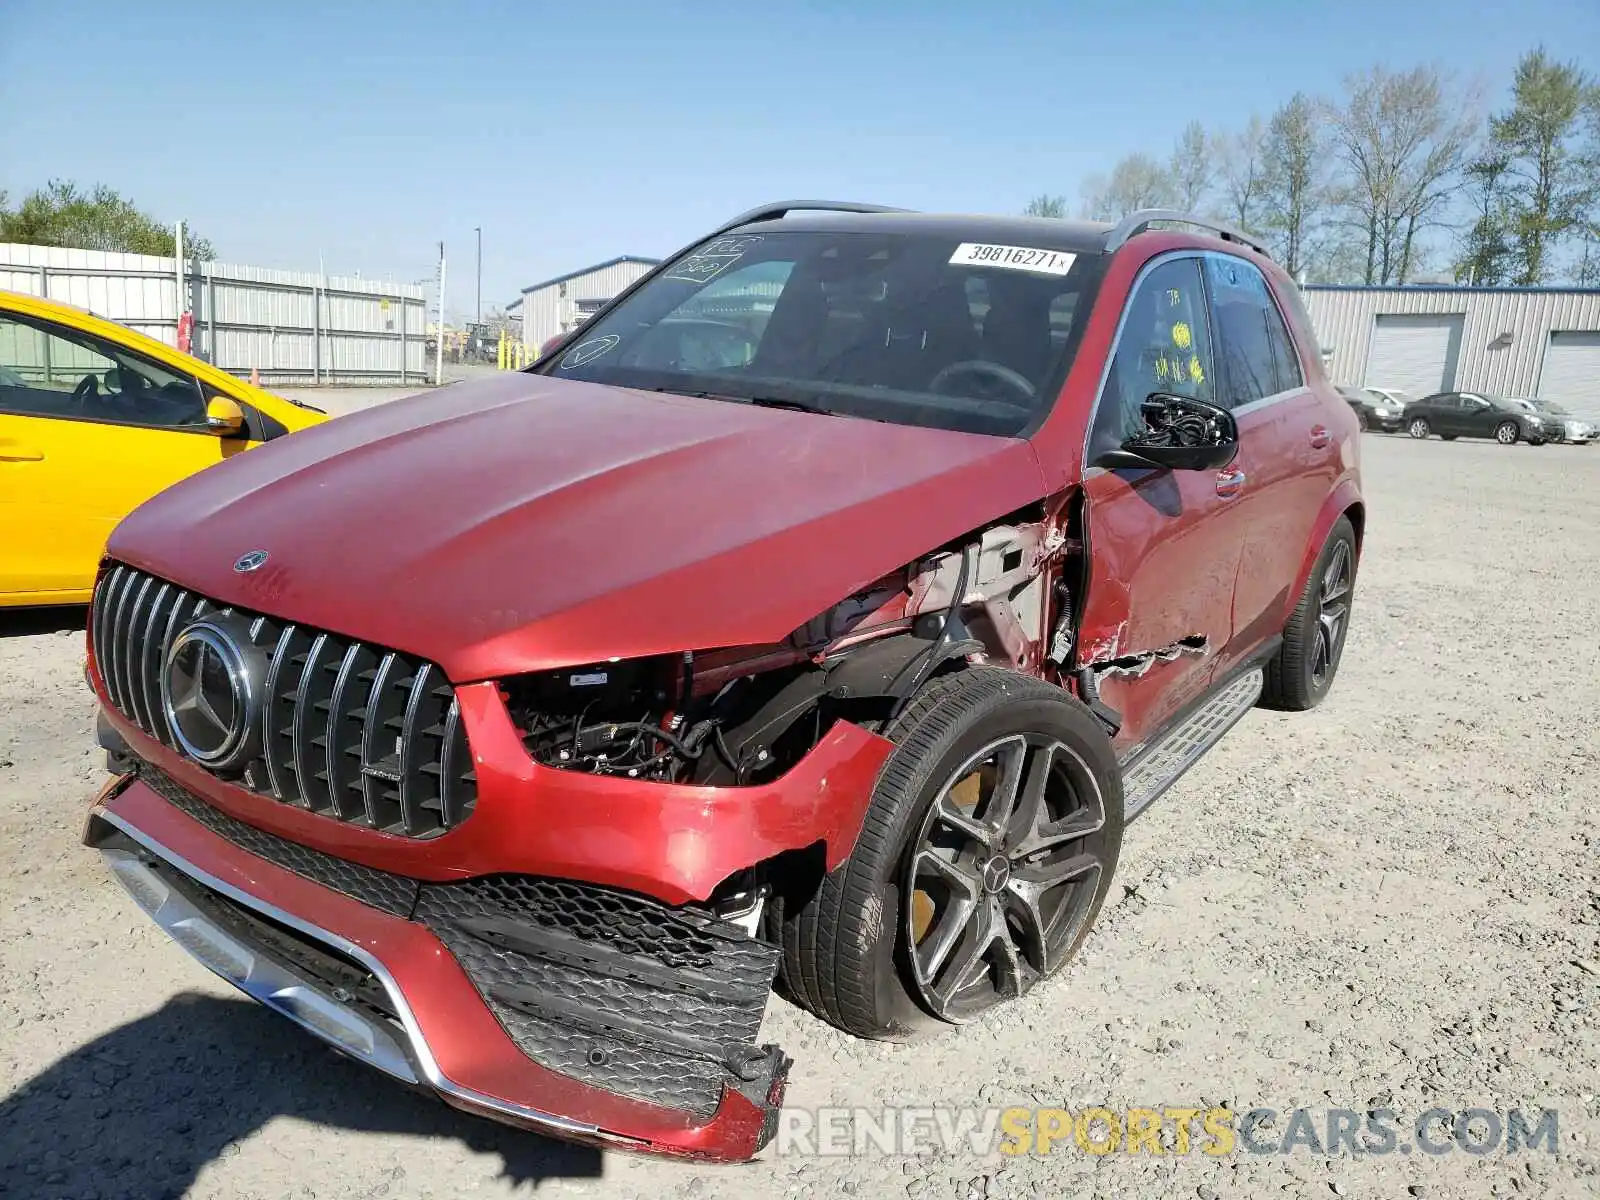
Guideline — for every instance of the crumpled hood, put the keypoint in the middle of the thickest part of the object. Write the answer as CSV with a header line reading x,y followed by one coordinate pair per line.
x,y
521,522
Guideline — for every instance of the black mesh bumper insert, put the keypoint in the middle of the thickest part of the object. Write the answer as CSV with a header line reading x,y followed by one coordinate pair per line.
x,y
617,991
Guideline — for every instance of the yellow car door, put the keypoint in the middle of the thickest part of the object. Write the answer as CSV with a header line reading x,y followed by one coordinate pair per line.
x,y
88,430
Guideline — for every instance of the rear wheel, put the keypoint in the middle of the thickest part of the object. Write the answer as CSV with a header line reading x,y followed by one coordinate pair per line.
x,y
1418,428
988,847
1506,433
1361,420
1300,674
1447,437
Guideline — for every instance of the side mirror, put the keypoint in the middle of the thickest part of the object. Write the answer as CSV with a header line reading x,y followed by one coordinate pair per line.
x,y
1180,434
224,417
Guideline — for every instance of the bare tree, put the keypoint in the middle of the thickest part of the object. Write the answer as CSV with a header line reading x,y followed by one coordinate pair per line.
x,y
1244,174
1137,181
1296,193
1403,138
1192,168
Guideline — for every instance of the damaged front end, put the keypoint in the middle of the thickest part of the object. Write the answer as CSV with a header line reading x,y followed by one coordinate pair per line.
x,y
584,949
578,1010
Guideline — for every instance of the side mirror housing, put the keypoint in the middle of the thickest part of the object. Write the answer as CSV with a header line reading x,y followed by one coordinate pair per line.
x,y
1180,434
224,417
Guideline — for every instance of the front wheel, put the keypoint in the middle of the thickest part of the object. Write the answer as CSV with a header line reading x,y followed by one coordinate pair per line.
x,y
1361,421
987,849
1506,433
1302,671
1418,428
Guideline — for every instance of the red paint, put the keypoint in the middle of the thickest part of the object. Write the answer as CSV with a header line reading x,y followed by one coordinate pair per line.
x,y
672,842
470,1047
523,522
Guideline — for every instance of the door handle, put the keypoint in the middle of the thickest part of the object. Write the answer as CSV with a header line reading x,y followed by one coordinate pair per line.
x,y
1230,482
19,452
1320,437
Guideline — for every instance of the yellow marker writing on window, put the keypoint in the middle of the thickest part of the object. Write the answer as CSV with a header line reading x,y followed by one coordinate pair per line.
x,y
1181,337
1196,372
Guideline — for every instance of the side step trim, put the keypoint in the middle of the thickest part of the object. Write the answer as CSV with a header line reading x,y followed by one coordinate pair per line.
x,y
1160,767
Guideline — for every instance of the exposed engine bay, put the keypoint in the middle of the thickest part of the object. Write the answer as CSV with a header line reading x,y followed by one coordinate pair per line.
x,y
743,716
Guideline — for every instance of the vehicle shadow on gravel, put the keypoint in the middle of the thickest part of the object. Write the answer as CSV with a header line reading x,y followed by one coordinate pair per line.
x,y
141,1110
21,622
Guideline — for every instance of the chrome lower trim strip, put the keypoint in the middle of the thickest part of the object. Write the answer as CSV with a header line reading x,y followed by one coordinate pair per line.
x,y
256,974
419,1046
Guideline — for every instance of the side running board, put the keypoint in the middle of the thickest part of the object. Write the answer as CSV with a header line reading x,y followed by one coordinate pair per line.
x,y
1154,771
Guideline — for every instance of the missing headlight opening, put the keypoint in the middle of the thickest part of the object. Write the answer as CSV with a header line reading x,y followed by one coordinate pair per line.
x,y
744,715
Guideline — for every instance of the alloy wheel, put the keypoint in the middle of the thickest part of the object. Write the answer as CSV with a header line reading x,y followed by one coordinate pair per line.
x,y
1506,435
1419,428
1333,612
1003,874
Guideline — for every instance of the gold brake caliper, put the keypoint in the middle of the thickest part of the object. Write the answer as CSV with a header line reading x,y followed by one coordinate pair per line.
x,y
965,795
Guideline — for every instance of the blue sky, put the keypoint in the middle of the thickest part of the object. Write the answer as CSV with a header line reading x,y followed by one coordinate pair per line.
x,y
573,132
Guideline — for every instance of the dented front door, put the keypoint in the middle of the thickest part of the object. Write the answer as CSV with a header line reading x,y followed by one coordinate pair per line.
x,y
1163,545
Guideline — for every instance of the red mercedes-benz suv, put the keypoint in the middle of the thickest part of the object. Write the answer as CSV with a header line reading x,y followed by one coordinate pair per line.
x,y
816,616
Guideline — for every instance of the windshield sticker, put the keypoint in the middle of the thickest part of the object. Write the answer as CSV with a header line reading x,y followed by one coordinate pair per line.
x,y
587,352
713,259
1013,258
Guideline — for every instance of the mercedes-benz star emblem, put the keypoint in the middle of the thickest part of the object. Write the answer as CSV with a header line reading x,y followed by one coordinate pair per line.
x,y
252,561
996,874
211,692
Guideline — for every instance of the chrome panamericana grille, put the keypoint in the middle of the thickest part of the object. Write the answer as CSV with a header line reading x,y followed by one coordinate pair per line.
x,y
348,730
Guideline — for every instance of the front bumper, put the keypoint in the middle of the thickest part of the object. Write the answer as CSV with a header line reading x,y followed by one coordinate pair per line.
x,y
585,1013
1386,424
675,842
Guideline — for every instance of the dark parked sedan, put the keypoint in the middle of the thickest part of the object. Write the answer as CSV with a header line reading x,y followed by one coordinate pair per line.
x,y
1474,414
1373,409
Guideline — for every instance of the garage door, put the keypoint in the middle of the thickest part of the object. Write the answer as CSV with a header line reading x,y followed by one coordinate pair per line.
x,y
1415,354
1571,373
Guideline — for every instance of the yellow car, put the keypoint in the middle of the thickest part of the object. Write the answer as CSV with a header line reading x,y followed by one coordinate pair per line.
x,y
94,419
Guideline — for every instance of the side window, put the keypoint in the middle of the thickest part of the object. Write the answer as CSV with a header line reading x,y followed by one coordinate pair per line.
x,y
1164,346
1254,351
46,371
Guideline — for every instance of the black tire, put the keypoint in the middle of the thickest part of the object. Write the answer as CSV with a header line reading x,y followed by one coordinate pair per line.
x,y
846,945
1507,433
1361,421
1448,437
1418,427
1297,676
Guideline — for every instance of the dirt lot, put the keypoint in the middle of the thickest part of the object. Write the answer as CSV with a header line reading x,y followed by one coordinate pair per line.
x,y
1393,900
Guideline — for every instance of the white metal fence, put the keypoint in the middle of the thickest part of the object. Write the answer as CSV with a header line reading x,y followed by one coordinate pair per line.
x,y
294,327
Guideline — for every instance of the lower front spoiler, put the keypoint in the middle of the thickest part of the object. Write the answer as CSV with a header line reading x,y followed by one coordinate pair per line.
x,y
429,1028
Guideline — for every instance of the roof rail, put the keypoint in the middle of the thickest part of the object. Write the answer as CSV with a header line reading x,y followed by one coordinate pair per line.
x,y
1137,222
769,212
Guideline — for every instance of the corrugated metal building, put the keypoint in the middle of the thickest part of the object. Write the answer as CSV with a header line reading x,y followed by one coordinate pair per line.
x,y
567,301
294,327
1542,342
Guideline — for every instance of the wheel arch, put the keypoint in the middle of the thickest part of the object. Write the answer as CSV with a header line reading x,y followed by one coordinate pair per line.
x,y
1345,501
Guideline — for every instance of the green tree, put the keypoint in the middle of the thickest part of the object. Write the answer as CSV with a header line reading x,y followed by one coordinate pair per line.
x,y
1137,181
1296,193
1046,205
61,214
1553,185
1485,252
1192,168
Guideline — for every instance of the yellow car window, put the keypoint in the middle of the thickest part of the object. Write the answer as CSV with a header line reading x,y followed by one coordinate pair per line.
x,y
47,371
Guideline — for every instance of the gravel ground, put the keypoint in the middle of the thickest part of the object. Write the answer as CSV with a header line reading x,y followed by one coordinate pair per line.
x,y
1391,900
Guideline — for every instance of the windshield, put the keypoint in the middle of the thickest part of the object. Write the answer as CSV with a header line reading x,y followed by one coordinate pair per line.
x,y
1395,397
1551,407
911,328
